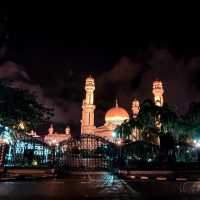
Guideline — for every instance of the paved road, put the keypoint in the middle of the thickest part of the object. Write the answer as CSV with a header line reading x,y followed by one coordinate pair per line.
x,y
98,186
84,186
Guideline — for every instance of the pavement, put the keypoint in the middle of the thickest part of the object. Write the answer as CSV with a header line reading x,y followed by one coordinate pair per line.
x,y
161,175
74,186
25,174
99,185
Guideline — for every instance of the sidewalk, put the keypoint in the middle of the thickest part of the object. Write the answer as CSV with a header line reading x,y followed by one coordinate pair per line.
x,y
161,175
25,174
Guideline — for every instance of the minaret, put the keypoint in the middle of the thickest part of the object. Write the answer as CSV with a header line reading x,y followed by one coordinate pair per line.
x,y
158,92
88,107
135,107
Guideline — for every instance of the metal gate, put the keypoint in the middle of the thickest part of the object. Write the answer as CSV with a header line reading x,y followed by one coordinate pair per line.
x,y
87,152
139,155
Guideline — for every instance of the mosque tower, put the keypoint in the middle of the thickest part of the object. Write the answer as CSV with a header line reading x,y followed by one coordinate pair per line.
x,y
158,92
88,107
135,107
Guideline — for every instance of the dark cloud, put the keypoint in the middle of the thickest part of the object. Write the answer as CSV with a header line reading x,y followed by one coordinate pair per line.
x,y
129,79
125,80
64,111
10,70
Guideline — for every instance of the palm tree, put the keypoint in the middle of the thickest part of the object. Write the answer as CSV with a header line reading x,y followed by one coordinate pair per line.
x,y
146,116
168,119
190,125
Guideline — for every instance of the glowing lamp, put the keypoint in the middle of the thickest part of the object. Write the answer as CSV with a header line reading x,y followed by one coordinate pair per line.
x,y
114,134
54,141
21,125
119,142
197,144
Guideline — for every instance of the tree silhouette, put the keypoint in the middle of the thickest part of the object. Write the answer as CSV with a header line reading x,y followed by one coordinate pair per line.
x,y
18,107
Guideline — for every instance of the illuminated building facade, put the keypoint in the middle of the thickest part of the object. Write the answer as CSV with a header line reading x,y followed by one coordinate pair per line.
x,y
158,92
16,148
115,116
28,152
54,138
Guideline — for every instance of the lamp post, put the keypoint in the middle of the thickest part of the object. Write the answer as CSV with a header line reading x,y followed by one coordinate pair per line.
x,y
197,145
119,143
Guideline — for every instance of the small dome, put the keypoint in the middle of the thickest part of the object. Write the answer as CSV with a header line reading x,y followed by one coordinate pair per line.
x,y
116,115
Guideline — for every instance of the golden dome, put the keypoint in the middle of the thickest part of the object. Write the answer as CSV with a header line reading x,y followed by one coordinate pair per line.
x,y
116,115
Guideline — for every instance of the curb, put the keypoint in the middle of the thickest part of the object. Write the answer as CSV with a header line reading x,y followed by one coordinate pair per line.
x,y
161,178
156,176
24,178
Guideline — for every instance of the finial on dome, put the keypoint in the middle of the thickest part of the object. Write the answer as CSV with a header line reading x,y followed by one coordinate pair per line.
x,y
116,103
90,76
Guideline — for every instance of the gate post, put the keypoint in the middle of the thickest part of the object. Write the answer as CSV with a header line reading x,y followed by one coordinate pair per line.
x,y
119,154
53,156
2,153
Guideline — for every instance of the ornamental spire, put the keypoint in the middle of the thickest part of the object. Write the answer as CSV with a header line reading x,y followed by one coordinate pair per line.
x,y
116,103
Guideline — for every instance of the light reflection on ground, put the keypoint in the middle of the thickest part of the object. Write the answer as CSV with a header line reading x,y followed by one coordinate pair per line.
x,y
99,186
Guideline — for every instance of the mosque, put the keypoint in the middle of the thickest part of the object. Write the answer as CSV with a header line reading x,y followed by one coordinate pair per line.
x,y
114,116
53,138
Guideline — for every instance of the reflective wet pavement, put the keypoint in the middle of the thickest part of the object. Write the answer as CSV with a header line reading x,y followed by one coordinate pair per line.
x,y
98,186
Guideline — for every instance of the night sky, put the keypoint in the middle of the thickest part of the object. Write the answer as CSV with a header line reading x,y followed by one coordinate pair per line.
x,y
51,53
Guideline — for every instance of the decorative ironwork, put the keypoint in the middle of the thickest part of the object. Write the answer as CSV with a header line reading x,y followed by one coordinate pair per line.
x,y
138,154
87,152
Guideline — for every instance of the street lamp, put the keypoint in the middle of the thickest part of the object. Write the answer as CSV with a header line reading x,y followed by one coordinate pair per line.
x,y
197,145
114,134
119,142
21,125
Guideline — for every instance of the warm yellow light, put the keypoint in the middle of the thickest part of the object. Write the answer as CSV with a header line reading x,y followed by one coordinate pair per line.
x,y
34,163
116,118
119,142
21,125
158,92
